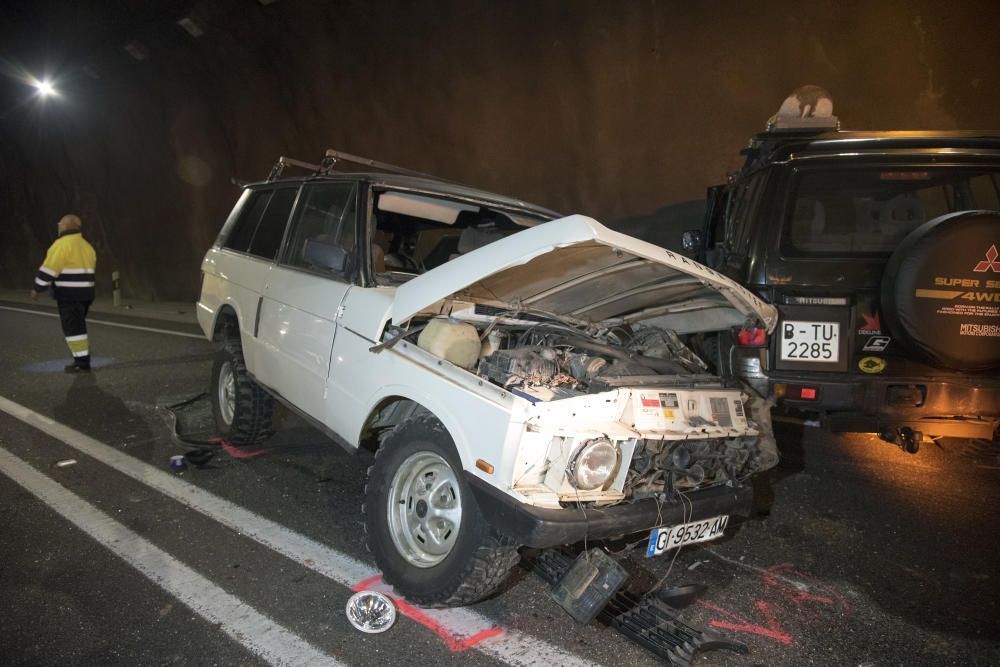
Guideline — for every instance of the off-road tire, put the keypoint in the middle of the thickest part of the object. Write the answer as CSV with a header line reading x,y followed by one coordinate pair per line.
x,y
253,407
480,559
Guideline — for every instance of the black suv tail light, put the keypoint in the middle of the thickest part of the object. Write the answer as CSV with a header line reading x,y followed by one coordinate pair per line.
x,y
750,336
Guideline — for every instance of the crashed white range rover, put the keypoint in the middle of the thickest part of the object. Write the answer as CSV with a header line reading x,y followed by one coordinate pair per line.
x,y
521,380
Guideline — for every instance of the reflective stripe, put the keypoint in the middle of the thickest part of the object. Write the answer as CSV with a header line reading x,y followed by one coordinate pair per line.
x,y
47,271
43,277
65,271
73,283
79,346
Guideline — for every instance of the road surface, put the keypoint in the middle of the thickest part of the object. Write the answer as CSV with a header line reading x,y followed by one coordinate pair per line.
x,y
859,554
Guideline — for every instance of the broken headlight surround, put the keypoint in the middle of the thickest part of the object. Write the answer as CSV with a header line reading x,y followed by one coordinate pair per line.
x,y
594,465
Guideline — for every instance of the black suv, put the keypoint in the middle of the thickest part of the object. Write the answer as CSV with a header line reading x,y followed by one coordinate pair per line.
x,y
880,250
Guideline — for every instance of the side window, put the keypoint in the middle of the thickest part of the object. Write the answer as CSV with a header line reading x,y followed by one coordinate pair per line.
x,y
240,235
322,237
267,239
743,202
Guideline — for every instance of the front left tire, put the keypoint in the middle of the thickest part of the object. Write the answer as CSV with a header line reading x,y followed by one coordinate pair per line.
x,y
423,525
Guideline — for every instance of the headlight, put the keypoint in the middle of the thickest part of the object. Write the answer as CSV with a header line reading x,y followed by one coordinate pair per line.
x,y
593,465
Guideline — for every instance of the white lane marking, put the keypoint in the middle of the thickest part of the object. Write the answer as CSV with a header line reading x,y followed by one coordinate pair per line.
x,y
255,631
110,324
511,647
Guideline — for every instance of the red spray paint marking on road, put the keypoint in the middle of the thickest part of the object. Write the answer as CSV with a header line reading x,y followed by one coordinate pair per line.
x,y
238,453
780,586
775,579
454,642
772,631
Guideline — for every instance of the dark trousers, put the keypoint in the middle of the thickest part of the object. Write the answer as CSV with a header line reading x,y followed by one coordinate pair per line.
x,y
73,316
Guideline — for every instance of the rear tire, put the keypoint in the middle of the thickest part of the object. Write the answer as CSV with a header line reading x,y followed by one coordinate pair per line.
x,y
243,410
423,525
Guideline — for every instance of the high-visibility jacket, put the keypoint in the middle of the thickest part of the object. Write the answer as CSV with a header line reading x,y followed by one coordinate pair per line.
x,y
69,267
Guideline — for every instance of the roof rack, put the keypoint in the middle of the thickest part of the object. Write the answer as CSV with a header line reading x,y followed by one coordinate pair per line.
x,y
332,158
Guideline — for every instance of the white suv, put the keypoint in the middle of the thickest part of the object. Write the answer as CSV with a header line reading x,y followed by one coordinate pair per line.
x,y
521,380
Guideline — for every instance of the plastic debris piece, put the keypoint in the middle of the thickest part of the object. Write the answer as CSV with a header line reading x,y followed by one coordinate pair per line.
x,y
177,463
588,584
65,462
371,612
199,457
649,620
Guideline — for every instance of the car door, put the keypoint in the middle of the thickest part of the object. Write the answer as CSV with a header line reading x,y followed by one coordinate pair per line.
x,y
304,293
248,248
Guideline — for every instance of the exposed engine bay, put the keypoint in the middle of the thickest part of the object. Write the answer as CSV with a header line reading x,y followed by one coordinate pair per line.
x,y
635,399
551,358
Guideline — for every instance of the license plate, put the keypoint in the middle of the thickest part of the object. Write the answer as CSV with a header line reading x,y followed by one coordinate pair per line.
x,y
810,341
665,539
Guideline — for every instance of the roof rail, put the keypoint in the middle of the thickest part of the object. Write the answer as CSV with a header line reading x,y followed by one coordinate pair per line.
x,y
332,158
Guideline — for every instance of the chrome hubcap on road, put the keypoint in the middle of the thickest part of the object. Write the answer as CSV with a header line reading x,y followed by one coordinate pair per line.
x,y
227,392
425,509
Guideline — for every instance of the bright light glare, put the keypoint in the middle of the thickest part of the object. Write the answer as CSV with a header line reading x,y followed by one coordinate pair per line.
x,y
45,88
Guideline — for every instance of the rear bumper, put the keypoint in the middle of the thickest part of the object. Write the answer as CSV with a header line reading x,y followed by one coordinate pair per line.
x,y
950,407
542,527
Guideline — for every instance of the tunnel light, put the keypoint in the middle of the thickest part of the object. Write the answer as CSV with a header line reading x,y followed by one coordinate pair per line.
x,y
45,88
191,26
137,50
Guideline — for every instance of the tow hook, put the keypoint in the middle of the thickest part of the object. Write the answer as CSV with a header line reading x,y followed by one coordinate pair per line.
x,y
905,438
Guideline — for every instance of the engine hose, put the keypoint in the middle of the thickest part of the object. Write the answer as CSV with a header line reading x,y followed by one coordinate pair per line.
x,y
662,365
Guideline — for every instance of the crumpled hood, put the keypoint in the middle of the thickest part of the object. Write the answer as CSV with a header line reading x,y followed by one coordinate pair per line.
x,y
577,268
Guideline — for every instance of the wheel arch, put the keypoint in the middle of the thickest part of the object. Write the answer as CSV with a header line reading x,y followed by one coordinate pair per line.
x,y
396,404
226,318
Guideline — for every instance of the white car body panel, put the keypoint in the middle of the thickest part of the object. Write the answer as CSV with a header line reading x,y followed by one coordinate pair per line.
x,y
296,329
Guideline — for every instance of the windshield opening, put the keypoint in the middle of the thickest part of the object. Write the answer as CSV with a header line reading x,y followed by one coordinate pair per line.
x,y
414,233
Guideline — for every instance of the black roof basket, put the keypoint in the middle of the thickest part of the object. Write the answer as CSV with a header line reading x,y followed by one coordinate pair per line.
x,y
332,158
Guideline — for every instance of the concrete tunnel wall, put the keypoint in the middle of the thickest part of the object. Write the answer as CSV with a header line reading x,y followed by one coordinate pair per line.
x,y
610,109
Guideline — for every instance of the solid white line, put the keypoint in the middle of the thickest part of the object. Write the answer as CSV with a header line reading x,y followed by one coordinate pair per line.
x,y
255,631
110,324
511,647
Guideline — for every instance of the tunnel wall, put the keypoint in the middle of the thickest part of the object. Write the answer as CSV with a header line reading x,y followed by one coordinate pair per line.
x,y
610,109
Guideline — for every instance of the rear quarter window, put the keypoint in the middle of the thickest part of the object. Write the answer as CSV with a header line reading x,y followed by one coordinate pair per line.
x,y
271,228
240,234
261,222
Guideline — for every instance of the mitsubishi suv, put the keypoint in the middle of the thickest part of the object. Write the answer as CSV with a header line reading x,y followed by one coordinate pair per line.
x,y
880,251
521,378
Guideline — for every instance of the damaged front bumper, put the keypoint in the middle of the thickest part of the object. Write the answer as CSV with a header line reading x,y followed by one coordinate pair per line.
x,y
541,528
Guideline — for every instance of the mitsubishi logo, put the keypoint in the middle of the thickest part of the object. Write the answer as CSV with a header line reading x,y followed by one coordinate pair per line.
x,y
991,263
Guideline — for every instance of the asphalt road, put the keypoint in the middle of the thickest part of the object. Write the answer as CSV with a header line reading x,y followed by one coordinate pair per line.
x,y
859,555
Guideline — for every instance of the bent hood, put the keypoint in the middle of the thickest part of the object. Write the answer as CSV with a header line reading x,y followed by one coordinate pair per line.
x,y
577,268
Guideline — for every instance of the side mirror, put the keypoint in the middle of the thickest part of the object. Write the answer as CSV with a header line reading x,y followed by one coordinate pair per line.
x,y
691,240
325,255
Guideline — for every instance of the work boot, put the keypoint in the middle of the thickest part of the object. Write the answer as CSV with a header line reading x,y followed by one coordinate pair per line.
x,y
73,368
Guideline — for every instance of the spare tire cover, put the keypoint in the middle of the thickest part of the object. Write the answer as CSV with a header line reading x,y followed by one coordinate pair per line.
x,y
941,290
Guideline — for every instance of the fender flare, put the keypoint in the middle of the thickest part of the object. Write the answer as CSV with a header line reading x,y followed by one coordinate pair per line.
x,y
435,405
